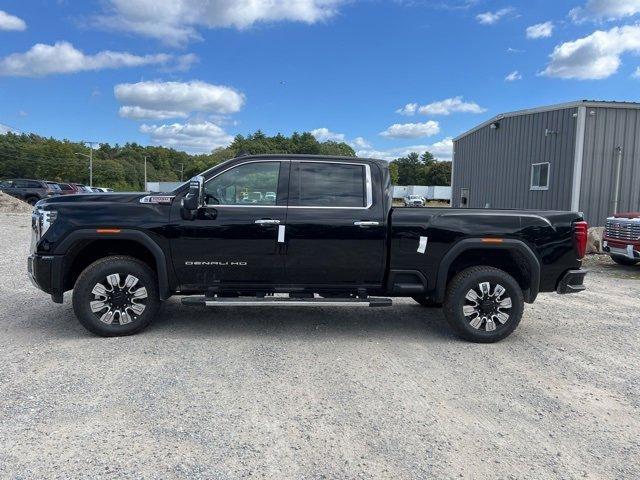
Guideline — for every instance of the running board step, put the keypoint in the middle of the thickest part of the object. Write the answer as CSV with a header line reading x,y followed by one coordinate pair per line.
x,y
202,301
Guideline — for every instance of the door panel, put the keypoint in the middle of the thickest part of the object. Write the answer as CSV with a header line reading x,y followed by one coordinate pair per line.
x,y
234,239
327,243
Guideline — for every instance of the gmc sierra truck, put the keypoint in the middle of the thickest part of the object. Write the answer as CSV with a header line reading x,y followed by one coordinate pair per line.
x,y
622,238
301,231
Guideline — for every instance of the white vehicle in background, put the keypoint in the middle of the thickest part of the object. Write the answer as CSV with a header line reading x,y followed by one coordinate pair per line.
x,y
414,201
270,197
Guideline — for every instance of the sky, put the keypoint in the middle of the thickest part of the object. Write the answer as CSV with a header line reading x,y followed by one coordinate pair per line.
x,y
388,77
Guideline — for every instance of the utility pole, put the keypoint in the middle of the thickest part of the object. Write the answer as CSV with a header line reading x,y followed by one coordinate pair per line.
x,y
145,173
91,144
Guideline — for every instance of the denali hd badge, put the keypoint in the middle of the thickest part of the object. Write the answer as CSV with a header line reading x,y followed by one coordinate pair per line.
x,y
216,264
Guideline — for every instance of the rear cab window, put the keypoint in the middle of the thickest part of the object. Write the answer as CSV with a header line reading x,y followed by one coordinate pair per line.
x,y
329,185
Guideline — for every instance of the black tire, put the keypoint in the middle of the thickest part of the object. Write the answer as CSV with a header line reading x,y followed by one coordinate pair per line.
x,y
456,299
31,200
96,273
627,262
427,302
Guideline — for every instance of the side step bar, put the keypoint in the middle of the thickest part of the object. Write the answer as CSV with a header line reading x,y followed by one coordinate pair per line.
x,y
201,301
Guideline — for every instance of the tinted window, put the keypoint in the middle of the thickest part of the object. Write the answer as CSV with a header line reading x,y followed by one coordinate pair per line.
x,y
65,187
248,184
20,184
330,185
32,184
5,184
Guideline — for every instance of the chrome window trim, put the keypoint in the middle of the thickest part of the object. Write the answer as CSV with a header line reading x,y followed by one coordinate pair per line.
x,y
274,160
368,186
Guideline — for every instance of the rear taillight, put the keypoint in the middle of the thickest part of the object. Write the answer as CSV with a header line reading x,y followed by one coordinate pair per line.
x,y
581,232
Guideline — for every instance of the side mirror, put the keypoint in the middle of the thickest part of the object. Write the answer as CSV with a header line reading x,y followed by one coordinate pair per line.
x,y
194,199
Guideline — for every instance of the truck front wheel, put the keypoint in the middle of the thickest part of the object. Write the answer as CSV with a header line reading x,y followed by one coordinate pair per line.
x,y
483,304
116,296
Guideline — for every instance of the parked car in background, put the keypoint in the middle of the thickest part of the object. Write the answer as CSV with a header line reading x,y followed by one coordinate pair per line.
x,y
54,187
270,197
622,238
102,189
30,191
67,189
80,188
414,201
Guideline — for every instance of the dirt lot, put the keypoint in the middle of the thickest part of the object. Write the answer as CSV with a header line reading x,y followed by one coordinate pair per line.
x,y
319,393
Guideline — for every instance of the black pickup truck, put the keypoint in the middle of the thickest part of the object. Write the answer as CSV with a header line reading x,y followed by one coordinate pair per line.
x,y
298,230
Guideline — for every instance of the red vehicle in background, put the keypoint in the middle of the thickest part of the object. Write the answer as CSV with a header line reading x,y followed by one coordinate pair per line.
x,y
622,238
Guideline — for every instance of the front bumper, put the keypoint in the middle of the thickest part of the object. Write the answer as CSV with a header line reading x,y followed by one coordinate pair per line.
x,y
45,272
621,249
572,282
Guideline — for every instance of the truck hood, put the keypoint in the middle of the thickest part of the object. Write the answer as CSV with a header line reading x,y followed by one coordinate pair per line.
x,y
629,215
67,200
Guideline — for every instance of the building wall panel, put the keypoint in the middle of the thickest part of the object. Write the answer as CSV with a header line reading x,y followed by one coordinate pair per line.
x,y
607,129
495,164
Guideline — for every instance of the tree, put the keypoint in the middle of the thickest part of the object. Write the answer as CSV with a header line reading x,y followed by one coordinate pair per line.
x,y
439,174
393,171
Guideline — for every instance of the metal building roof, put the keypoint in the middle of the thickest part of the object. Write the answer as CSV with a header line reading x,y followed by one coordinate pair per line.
x,y
548,108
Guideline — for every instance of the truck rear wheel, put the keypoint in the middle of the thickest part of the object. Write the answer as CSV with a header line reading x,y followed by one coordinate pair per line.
x,y
620,260
116,296
483,304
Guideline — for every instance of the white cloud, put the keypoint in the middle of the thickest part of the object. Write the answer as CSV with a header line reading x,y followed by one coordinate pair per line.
x,y
409,109
360,142
191,136
324,134
161,100
177,21
442,107
636,74
64,58
540,30
4,129
442,150
489,18
513,76
412,130
603,10
594,57
11,22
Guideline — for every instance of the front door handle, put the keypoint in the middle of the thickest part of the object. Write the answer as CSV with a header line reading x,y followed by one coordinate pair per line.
x,y
366,224
267,221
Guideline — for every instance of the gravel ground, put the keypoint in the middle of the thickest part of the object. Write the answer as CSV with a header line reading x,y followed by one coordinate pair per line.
x,y
318,393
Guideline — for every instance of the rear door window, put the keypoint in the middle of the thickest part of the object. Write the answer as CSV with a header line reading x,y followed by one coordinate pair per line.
x,y
317,184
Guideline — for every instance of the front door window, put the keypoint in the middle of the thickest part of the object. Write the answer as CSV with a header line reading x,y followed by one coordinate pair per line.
x,y
245,185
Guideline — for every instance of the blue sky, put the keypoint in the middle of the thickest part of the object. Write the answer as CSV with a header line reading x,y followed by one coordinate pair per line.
x,y
386,76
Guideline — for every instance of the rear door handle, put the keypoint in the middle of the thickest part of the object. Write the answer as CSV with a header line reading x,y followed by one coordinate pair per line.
x,y
267,221
366,224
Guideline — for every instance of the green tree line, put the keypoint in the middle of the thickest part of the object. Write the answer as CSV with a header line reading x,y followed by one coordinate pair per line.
x,y
121,167
422,169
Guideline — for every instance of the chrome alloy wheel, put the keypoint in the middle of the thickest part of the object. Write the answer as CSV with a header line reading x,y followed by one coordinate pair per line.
x,y
486,307
118,302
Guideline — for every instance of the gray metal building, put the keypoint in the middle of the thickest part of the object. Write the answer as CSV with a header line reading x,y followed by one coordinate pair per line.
x,y
575,156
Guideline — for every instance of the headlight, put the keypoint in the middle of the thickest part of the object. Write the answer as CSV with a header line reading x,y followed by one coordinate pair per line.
x,y
41,220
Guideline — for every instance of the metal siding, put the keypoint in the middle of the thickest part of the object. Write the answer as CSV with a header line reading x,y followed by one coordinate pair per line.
x,y
605,131
496,164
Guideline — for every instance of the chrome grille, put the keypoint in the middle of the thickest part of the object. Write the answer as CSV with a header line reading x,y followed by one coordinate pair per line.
x,y
621,229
